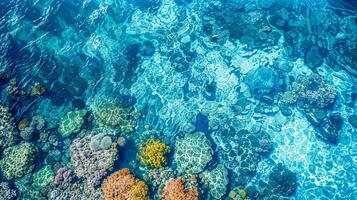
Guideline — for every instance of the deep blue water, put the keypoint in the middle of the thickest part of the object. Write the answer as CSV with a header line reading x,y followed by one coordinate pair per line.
x,y
270,84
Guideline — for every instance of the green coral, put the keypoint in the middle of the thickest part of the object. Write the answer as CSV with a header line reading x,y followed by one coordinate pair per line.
x,y
72,122
238,194
217,181
112,115
193,152
43,177
18,160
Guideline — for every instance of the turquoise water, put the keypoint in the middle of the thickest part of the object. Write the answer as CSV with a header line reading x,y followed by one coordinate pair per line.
x,y
255,99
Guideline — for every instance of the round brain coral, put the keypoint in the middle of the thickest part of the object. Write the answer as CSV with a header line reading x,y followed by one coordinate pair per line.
x,y
180,189
152,153
122,185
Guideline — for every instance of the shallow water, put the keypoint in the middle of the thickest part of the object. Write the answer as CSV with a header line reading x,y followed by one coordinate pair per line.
x,y
251,96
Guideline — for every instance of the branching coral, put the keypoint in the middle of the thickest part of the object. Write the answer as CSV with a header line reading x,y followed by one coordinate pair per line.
x,y
180,189
122,185
152,153
88,161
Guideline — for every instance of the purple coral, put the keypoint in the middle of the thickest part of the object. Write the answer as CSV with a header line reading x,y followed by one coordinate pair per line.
x,y
88,162
98,176
64,175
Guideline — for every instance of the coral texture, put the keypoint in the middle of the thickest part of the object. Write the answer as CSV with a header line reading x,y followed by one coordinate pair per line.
x,y
112,115
6,192
43,177
217,181
8,133
72,122
312,90
122,185
18,160
180,189
193,152
152,153
87,161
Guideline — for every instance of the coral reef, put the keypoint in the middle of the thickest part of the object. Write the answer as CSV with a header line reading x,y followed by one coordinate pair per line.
x,y
314,96
217,181
282,184
123,185
72,122
87,161
243,151
38,122
282,180
157,179
64,175
193,152
100,141
15,92
37,89
73,191
121,141
311,90
6,192
152,153
8,133
238,194
112,115
180,189
27,133
43,177
18,160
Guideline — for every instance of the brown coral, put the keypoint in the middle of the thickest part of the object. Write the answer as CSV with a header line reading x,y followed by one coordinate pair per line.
x,y
179,189
122,185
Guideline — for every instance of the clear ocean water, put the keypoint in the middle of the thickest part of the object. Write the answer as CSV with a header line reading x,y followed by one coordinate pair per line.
x,y
178,99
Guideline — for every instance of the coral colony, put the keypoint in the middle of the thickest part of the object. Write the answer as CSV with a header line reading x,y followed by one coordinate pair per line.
x,y
178,100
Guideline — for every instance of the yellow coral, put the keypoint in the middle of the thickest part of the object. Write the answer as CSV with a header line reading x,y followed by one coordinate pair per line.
x,y
24,123
139,191
152,153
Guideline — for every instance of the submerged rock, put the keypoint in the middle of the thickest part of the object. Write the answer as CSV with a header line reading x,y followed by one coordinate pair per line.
x,y
262,81
282,181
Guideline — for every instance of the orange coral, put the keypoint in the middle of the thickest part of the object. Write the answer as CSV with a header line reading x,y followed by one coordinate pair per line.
x,y
175,190
122,185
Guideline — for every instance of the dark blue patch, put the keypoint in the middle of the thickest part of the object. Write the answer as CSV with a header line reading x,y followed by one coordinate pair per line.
x,y
202,123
